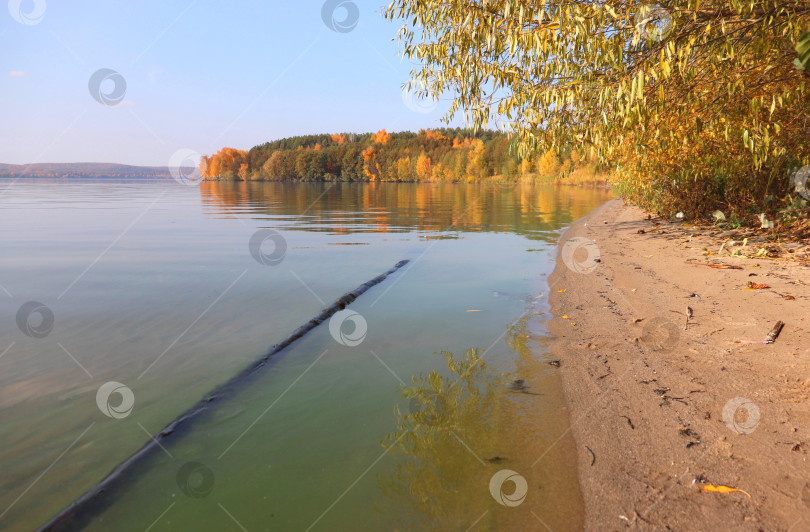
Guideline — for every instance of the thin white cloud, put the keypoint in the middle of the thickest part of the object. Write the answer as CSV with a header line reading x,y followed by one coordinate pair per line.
x,y
18,74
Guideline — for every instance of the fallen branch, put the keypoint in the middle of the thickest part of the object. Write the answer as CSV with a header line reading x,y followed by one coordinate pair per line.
x,y
771,338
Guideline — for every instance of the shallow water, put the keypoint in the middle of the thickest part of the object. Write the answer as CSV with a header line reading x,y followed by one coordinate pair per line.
x,y
153,285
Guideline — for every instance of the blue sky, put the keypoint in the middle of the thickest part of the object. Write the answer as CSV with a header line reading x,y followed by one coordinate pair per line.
x,y
199,75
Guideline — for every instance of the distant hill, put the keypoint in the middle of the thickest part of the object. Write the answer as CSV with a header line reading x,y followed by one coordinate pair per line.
x,y
79,170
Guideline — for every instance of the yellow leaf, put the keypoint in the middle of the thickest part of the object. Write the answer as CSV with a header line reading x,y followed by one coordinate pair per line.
x,y
561,290
711,488
566,316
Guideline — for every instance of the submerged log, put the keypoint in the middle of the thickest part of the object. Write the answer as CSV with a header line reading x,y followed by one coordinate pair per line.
x,y
105,493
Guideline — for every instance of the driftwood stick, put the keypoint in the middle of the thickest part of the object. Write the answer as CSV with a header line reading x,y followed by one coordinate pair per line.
x,y
771,338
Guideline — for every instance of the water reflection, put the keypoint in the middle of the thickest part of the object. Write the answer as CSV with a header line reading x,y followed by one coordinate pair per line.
x,y
438,478
349,208
166,287
476,444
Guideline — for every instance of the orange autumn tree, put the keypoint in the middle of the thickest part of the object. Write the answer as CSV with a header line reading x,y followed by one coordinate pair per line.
x,y
370,164
226,163
458,143
382,137
434,135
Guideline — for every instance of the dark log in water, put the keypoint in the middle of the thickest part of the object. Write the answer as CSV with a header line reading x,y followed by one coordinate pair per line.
x,y
102,495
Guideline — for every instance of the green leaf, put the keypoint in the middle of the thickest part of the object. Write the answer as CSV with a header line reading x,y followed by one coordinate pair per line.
x,y
803,49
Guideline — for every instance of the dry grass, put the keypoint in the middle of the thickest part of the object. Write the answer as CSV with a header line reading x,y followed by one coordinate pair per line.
x,y
586,175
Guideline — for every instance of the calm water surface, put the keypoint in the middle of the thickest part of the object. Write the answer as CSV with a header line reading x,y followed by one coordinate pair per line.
x,y
153,286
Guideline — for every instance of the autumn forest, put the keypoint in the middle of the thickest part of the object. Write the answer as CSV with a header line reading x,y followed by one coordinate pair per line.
x,y
438,155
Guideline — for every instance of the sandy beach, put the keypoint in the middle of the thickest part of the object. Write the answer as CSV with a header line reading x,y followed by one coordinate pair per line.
x,y
669,412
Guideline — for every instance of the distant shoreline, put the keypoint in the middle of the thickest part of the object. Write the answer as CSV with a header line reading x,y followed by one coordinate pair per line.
x,y
97,178
86,170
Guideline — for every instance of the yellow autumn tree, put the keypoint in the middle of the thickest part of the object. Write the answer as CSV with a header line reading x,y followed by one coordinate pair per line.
x,y
476,165
273,168
423,167
526,166
403,167
700,104
441,173
549,163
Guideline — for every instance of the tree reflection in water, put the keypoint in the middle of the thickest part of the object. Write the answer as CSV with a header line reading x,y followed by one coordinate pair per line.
x,y
450,439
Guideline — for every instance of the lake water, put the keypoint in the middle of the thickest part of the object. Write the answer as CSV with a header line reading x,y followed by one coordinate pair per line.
x,y
154,286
